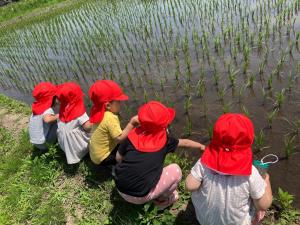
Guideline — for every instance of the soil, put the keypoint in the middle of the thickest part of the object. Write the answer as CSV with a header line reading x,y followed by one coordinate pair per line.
x,y
13,122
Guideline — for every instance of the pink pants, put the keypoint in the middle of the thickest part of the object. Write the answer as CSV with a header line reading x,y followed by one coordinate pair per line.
x,y
164,193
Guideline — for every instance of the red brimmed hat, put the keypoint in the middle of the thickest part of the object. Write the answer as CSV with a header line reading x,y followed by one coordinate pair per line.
x,y
151,135
43,94
70,96
103,91
230,149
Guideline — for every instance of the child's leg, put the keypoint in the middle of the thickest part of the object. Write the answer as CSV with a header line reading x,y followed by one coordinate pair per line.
x,y
52,134
165,190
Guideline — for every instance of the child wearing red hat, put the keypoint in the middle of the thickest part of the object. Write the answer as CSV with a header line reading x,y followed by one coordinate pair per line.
x,y
73,125
43,121
226,188
106,96
140,175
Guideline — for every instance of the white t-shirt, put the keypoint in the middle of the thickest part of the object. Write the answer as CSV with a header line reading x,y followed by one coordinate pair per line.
x,y
72,139
225,199
41,132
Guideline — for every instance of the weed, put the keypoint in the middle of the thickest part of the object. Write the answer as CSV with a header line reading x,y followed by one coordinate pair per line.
x,y
288,214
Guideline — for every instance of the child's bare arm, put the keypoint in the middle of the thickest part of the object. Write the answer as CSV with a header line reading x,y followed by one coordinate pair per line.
x,y
186,143
192,184
87,126
119,157
50,118
133,123
266,200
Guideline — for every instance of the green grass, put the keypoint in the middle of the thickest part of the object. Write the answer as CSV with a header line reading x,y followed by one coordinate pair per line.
x,y
38,188
14,106
23,7
43,189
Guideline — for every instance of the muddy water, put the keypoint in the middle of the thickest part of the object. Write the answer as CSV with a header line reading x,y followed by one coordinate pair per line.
x,y
100,40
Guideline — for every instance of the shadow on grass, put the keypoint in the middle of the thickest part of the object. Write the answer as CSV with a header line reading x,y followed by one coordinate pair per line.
x,y
127,213
123,213
187,216
94,174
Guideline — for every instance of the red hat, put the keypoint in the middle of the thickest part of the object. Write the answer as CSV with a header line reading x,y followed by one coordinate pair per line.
x,y
151,135
43,94
70,96
230,149
103,91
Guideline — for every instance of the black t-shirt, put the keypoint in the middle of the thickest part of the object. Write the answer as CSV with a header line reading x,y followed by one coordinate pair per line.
x,y
139,171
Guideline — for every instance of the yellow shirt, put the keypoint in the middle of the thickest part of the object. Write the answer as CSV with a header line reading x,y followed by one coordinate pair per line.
x,y
102,141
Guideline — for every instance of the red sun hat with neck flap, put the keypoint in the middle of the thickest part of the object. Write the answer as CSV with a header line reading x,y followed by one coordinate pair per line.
x,y
154,119
230,149
43,94
101,92
70,96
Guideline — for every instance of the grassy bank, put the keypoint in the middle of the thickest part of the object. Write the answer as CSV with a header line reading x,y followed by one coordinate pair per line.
x,y
40,188
26,11
23,7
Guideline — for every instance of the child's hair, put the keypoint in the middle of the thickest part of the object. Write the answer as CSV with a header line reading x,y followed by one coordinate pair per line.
x,y
53,101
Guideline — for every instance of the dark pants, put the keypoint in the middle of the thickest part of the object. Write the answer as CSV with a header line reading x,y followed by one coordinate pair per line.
x,y
111,159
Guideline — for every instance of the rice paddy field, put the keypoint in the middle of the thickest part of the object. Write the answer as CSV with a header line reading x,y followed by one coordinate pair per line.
x,y
202,57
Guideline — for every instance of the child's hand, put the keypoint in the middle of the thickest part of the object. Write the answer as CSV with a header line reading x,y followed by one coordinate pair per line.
x,y
202,148
135,121
259,215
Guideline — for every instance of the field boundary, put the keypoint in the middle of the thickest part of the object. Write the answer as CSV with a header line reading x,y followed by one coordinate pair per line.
x,y
40,14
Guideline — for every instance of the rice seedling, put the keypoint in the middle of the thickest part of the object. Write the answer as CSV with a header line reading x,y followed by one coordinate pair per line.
x,y
250,80
226,107
270,82
271,116
294,125
291,81
279,99
188,105
157,97
297,40
221,93
241,93
232,77
200,88
188,127
262,66
289,146
245,111
216,77
259,141
145,94
245,66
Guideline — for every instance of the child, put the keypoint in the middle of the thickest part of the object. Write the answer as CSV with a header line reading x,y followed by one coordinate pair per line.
x,y
43,121
223,182
140,174
73,124
107,133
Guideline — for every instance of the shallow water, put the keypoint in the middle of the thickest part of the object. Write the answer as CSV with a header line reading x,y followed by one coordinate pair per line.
x,y
143,45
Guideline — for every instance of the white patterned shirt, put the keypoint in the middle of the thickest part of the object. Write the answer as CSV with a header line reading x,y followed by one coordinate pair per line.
x,y
225,199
